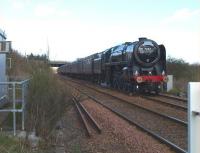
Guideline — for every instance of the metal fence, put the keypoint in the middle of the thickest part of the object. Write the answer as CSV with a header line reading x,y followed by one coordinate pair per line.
x,y
16,94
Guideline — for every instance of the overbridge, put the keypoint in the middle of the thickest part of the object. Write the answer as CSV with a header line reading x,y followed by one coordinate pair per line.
x,y
57,63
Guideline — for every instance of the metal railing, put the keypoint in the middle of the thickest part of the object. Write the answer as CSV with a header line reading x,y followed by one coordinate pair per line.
x,y
16,93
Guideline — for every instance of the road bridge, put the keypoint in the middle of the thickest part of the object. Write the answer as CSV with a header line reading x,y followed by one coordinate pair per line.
x,y
57,63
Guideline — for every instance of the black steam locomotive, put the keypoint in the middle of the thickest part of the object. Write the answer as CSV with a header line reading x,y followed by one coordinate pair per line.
x,y
138,66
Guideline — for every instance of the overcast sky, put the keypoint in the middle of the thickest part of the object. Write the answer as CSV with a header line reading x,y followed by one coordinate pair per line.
x,y
77,28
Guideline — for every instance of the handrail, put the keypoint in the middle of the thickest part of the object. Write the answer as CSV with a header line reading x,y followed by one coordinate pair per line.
x,y
13,86
14,82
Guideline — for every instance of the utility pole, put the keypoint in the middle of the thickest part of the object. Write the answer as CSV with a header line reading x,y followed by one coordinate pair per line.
x,y
48,50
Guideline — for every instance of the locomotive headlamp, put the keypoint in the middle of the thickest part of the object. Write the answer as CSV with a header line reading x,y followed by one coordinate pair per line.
x,y
136,73
163,72
165,78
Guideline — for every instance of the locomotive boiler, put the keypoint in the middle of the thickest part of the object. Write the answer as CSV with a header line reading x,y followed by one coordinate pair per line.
x,y
138,66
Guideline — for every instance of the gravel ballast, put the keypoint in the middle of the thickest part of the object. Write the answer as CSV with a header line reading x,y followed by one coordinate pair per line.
x,y
129,137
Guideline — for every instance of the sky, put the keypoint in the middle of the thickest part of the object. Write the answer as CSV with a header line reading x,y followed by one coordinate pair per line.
x,y
77,28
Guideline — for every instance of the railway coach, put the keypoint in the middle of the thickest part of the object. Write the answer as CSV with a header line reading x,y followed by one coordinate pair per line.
x,y
138,66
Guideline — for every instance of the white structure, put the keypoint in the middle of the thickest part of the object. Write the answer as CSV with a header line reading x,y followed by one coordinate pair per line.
x,y
2,74
5,47
194,117
170,82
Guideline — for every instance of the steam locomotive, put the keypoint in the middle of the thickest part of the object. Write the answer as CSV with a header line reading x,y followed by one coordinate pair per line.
x,y
138,66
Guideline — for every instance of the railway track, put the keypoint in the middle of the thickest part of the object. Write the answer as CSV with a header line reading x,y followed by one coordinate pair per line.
x,y
184,122
173,97
175,135
168,101
89,122
179,116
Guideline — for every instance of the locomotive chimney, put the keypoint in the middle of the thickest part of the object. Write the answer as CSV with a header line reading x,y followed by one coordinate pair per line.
x,y
142,38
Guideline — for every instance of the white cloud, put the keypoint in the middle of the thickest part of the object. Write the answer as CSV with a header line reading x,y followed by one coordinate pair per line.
x,y
180,32
44,10
19,4
49,9
181,15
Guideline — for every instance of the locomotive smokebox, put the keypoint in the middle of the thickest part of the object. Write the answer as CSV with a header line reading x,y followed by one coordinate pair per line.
x,y
142,38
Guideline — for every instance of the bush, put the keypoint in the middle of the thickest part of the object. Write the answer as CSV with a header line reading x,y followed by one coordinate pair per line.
x,y
47,97
183,73
47,100
12,145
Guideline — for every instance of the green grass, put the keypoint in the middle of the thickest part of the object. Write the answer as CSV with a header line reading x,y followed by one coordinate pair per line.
x,y
76,148
8,122
174,91
10,144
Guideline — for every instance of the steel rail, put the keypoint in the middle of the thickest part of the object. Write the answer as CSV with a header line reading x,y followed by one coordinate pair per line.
x,y
162,101
89,133
94,123
173,97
